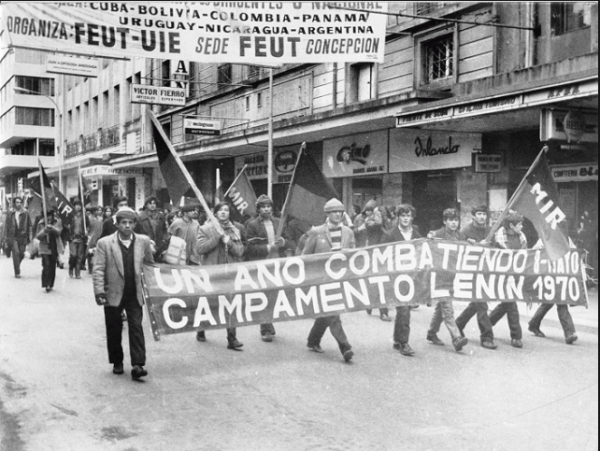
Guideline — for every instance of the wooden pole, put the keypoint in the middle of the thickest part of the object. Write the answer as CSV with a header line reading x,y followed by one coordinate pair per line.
x,y
289,193
43,189
235,180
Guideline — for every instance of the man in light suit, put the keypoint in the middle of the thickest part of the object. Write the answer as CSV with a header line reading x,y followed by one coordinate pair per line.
x,y
118,286
331,236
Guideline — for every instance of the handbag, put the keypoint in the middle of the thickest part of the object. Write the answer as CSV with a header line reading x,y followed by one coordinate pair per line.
x,y
176,253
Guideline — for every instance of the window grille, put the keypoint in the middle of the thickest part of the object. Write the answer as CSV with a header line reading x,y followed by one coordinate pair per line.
x,y
439,59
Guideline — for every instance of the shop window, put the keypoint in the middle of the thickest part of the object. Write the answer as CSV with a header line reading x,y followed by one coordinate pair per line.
x,y
438,59
34,116
566,17
224,72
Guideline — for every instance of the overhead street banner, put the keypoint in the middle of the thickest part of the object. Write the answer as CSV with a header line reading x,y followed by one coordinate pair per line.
x,y
268,33
189,298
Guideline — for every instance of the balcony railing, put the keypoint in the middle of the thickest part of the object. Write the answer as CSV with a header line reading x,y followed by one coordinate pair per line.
x,y
103,138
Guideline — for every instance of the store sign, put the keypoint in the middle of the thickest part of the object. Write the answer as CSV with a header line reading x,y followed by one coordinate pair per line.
x,y
356,155
157,95
81,67
257,167
498,104
575,172
580,127
491,162
104,170
427,150
201,127
265,33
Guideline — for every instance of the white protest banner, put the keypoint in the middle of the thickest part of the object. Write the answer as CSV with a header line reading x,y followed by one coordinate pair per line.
x,y
267,33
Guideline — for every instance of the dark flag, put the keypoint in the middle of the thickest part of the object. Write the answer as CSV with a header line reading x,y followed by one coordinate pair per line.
x,y
536,198
63,206
241,198
34,207
175,179
309,191
44,188
84,193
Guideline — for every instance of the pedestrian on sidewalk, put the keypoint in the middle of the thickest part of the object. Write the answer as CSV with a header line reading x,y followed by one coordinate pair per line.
x,y
444,310
49,236
217,249
118,287
18,232
475,233
331,236
510,236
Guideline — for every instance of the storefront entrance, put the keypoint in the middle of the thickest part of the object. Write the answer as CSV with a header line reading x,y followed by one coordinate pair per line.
x,y
433,192
365,189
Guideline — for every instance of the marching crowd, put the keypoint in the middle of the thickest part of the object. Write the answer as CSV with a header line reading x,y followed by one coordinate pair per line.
x,y
114,242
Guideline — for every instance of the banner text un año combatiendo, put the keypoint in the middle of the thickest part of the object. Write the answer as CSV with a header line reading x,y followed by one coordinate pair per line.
x,y
186,298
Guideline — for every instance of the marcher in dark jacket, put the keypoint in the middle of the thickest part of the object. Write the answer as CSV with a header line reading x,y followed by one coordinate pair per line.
x,y
154,224
49,234
404,231
263,244
217,249
17,233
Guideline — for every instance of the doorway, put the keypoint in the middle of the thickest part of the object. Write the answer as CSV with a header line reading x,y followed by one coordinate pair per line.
x,y
433,192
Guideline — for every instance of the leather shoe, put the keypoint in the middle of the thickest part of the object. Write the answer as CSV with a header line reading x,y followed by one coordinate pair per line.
x,y
516,343
434,339
267,337
488,344
118,368
316,348
235,345
536,331
201,336
385,317
17,276
138,372
348,355
459,343
571,339
404,349
48,289
462,333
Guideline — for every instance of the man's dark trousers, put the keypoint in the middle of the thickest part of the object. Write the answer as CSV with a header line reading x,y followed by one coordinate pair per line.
x,y
402,324
566,320
483,320
48,270
18,254
114,329
335,326
512,314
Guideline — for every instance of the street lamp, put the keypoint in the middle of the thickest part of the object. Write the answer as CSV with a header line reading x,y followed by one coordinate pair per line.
x,y
62,123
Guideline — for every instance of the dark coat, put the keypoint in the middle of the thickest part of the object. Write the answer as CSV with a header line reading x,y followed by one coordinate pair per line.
x,y
258,241
12,231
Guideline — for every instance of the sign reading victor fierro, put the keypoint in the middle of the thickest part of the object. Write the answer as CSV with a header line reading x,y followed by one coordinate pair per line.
x,y
187,298
267,33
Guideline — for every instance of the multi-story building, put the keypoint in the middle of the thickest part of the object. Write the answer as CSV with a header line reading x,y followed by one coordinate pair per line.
x,y
28,115
465,99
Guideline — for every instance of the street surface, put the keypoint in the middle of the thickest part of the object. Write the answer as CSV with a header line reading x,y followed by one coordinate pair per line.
x,y
57,391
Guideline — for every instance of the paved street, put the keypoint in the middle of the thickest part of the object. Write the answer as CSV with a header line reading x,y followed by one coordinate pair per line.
x,y
57,391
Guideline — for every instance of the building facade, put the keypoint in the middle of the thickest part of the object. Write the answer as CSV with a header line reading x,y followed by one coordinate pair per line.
x,y
466,97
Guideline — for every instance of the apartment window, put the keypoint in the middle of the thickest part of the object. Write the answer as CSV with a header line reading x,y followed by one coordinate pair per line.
x,y
194,90
94,117
34,116
117,102
37,85
86,115
247,103
566,17
259,101
424,8
224,74
105,122
438,58
46,147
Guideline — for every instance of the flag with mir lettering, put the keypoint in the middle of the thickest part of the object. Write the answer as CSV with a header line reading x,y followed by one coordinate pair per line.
x,y
536,198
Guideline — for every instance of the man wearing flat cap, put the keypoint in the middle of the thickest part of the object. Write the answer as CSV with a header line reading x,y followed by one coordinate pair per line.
x,y
187,228
331,236
118,286
263,244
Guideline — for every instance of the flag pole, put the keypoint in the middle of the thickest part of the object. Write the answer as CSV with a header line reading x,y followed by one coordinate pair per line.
x,y
185,172
235,180
43,189
82,198
285,204
504,213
